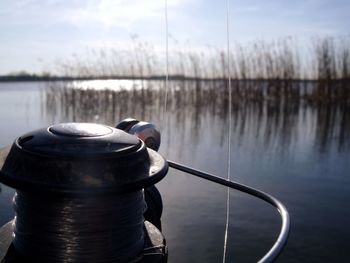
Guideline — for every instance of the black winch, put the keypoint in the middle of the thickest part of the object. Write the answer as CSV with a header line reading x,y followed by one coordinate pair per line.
x,y
80,186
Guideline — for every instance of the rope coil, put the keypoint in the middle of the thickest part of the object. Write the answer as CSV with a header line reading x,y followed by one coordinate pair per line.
x,y
90,229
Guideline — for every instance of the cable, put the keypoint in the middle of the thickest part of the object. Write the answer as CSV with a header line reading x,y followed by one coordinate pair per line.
x,y
276,249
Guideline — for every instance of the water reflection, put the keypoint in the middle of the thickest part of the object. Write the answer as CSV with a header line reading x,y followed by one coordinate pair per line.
x,y
291,146
273,122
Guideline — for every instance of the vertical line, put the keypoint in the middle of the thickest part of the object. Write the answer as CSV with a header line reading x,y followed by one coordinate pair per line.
x,y
229,128
163,124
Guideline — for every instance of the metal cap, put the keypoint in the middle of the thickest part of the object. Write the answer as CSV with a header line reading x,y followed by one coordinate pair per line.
x,y
77,158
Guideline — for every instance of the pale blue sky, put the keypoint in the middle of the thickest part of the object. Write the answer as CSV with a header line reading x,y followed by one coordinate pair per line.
x,y
35,33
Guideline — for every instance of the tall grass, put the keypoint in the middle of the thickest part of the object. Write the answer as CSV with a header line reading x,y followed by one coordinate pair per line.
x,y
283,69
284,59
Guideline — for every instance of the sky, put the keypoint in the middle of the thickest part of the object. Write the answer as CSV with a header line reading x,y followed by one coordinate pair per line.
x,y
35,34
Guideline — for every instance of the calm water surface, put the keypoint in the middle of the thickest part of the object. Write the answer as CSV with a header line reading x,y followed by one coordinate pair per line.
x,y
298,152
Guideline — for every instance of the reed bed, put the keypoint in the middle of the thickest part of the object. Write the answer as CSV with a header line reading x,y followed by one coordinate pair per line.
x,y
274,70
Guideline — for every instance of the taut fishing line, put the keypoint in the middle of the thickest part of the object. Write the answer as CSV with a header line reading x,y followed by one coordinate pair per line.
x,y
229,129
166,65
79,229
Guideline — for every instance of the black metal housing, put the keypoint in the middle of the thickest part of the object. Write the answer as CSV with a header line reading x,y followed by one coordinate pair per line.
x,y
80,158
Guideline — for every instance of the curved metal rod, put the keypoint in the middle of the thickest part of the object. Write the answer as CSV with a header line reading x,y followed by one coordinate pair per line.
x,y
276,249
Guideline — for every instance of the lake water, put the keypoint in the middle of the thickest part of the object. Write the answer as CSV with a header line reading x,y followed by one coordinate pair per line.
x,y
298,152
